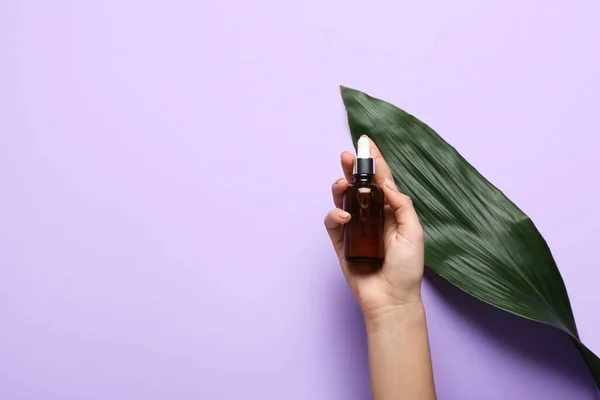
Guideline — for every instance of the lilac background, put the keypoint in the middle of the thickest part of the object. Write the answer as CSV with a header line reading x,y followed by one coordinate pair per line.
x,y
161,225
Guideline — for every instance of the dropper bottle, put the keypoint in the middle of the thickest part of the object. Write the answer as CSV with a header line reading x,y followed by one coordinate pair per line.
x,y
364,200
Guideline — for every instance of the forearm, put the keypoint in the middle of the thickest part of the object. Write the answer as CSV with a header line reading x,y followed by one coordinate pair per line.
x,y
399,356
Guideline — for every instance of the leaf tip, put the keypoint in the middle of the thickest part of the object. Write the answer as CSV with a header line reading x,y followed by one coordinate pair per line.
x,y
347,92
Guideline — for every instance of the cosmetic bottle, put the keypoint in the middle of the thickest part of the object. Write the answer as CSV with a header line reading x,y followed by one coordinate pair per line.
x,y
363,234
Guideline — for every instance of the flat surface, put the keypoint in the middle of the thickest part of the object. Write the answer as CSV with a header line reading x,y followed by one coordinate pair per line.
x,y
165,168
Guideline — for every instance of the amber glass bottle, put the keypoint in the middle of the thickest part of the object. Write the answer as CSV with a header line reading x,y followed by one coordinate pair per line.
x,y
363,234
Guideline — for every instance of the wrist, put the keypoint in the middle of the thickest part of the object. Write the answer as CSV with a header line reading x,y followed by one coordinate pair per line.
x,y
388,315
376,303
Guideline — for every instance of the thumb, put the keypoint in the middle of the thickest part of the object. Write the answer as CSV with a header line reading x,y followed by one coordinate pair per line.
x,y
334,223
404,211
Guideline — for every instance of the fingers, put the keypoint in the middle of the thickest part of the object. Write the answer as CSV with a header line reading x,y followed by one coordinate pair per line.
x,y
406,216
382,171
348,165
337,190
334,223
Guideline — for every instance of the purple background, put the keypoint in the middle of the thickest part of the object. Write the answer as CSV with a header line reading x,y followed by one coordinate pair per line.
x,y
165,168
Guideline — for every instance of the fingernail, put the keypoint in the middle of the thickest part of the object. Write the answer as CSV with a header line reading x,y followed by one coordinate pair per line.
x,y
343,214
390,184
343,152
337,181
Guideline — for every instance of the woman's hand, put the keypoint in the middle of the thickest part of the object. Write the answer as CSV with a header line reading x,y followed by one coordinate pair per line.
x,y
380,289
389,294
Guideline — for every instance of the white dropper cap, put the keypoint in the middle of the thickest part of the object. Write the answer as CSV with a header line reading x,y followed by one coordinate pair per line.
x,y
363,148
364,163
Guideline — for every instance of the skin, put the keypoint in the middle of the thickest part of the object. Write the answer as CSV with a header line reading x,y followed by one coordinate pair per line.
x,y
389,294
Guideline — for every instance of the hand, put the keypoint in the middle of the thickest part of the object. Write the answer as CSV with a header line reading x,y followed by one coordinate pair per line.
x,y
381,288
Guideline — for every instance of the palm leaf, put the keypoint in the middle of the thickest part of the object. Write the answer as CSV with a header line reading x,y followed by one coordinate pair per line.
x,y
476,238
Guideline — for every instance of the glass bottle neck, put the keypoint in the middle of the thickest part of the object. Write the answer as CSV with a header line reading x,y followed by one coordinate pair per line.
x,y
363,178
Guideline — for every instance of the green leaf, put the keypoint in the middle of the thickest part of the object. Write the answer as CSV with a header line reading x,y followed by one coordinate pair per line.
x,y
475,237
